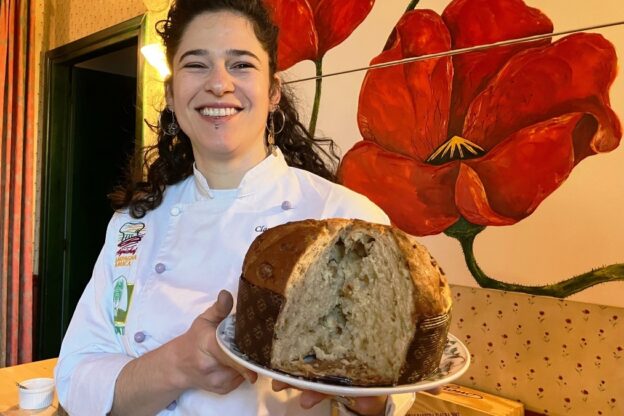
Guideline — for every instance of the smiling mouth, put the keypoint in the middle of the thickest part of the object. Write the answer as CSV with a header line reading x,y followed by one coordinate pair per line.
x,y
218,112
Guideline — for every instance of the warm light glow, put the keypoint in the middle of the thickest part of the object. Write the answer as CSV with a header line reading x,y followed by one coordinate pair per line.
x,y
155,55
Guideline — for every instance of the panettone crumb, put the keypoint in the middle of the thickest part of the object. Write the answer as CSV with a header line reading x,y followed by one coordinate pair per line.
x,y
360,304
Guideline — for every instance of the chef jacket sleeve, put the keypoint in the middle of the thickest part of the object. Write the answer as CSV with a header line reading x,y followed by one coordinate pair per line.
x,y
91,354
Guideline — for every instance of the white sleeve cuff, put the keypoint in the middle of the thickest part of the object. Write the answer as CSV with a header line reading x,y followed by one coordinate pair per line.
x,y
90,388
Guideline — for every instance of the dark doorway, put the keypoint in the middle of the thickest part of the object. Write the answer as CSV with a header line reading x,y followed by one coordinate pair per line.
x,y
103,139
92,130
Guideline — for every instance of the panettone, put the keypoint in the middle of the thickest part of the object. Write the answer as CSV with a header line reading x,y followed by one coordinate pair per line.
x,y
343,300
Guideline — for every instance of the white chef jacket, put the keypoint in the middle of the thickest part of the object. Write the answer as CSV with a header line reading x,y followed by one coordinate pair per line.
x,y
156,274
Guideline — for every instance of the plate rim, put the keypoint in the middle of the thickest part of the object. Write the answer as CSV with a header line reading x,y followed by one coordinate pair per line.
x,y
334,389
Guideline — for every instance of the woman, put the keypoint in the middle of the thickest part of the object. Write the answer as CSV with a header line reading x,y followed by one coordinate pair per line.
x,y
142,338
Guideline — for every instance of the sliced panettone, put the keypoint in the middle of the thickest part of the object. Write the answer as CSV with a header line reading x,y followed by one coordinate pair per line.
x,y
343,300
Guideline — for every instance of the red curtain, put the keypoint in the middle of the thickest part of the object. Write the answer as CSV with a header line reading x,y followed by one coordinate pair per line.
x,y
17,131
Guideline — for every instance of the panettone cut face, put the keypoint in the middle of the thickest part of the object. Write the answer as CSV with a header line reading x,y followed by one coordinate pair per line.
x,y
350,311
347,310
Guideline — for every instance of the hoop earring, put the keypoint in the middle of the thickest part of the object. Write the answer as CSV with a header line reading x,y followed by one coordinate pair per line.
x,y
281,113
271,129
173,128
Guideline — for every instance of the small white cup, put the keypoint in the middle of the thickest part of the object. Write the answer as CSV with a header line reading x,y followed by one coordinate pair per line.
x,y
38,393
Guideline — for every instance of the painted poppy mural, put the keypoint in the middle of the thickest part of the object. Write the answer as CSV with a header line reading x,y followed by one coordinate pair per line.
x,y
481,139
456,125
310,28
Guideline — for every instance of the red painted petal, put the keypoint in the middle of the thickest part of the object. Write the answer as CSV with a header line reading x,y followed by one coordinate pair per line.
x,y
480,22
509,183
337,19
297,36
405,108
572,75
417,197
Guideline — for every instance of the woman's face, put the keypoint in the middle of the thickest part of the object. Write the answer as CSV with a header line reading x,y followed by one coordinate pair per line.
x,y
220,90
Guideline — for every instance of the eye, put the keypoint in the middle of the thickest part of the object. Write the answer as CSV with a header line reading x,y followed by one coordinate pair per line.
x,y
194,65
243,65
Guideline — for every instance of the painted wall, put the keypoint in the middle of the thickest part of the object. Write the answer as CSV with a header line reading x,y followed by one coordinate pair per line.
x,y
574,230
70,20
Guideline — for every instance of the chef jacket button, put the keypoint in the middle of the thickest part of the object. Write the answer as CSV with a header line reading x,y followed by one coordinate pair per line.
x,y
139,337
160,268
175,211
286,205
172,405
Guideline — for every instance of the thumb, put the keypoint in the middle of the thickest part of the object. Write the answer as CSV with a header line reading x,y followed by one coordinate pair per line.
x,y
220,309
213,316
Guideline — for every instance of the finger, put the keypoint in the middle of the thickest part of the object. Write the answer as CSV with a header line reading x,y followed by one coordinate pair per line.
x,y
369,405
228,383
311,398
219,310
279,385
212,317
224,360
435,391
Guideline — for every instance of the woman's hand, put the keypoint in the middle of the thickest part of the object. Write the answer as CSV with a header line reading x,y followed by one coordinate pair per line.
x,y
200,363
147,384
365,406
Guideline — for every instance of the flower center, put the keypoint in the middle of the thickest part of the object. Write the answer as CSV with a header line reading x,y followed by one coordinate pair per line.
x,y
455,148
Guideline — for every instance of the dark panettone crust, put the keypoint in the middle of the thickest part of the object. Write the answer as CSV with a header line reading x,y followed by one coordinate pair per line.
x,y
426,349
273,255
254,327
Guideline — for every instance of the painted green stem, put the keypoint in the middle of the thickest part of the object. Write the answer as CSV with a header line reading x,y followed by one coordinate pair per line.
x,y
466,233
317,96
412,5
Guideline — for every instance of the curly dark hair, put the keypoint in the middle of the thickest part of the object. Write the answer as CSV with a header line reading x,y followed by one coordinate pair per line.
x,y
171,159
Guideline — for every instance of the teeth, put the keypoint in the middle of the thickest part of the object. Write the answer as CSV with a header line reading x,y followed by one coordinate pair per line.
x,y
217,112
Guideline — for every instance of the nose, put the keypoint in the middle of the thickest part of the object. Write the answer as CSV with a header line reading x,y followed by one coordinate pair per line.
x,y
219,81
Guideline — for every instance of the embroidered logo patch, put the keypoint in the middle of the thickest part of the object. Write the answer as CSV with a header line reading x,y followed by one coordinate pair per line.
x,y
122,297
130,235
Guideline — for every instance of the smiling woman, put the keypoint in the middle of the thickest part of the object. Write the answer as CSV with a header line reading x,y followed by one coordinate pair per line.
x,y
223,87
231,160
221,92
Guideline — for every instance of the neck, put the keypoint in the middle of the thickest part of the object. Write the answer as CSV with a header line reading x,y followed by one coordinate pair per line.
x,y
227,173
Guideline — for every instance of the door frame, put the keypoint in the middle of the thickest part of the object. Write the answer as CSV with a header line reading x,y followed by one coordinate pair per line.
x,y
53,314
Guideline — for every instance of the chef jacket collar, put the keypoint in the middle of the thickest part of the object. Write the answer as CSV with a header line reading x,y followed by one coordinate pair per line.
x,y
257,179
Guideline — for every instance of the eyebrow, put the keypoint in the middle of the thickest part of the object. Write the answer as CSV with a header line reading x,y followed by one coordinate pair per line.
x,y
230,52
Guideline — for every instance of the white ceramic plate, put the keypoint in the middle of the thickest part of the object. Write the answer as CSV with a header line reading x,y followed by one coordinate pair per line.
x,y
454,363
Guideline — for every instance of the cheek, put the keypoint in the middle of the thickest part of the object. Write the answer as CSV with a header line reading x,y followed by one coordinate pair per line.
x,y
180,96
184,88
261,97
